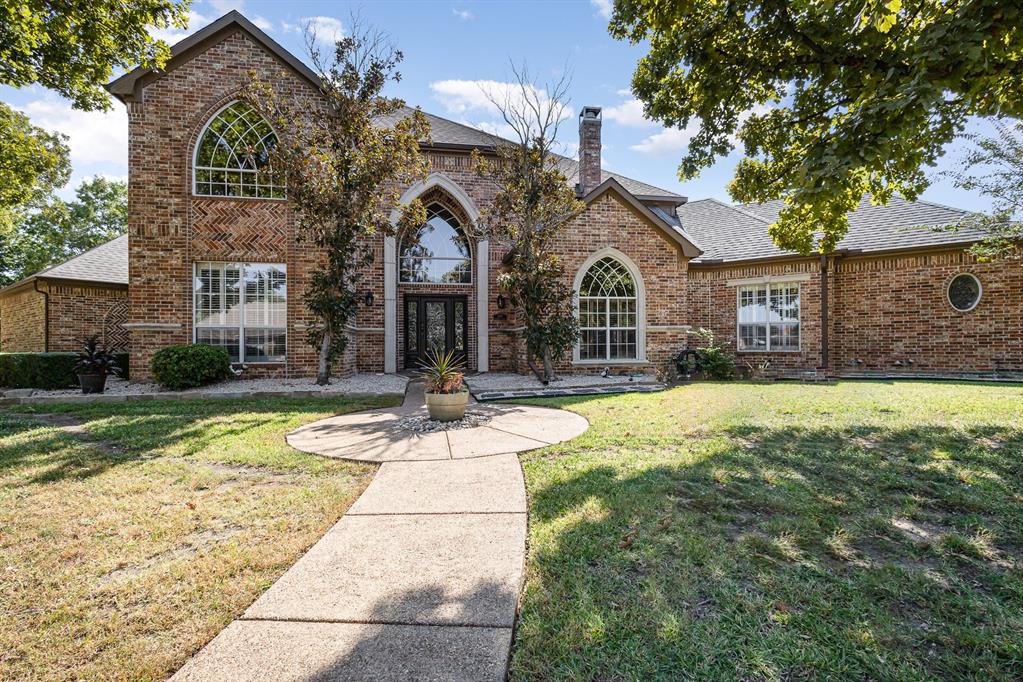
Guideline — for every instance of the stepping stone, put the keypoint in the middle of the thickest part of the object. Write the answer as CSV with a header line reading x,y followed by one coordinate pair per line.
x,y
493,484
290,651
457,569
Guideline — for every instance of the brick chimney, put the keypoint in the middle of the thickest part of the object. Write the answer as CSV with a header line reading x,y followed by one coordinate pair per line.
x,y
589,149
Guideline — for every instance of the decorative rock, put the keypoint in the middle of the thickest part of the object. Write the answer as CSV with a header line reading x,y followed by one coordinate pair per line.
x,y
423,424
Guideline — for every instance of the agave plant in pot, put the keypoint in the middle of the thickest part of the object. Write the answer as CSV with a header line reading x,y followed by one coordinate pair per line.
x,y
95,363
446,395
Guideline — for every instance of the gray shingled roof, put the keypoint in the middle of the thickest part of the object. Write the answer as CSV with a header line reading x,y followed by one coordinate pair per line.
x,y
447,132
739,232
105,263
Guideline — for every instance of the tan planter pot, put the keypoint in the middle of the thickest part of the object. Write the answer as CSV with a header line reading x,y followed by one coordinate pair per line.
x,y
447,407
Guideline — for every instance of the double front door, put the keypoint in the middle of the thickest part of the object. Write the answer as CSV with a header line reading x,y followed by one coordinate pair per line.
x,y
435,325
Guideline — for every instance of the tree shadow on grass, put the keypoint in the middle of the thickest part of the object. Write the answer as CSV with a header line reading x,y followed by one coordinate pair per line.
x,y
124,433
781,552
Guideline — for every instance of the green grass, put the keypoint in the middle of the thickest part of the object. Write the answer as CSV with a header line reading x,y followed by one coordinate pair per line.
x,y
779,531
123,554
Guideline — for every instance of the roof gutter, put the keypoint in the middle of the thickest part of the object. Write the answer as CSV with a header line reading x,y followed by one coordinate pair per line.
x,y
46,315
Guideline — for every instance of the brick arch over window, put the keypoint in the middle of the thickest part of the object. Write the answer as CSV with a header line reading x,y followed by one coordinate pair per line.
x,y
452,194
230,157
611,303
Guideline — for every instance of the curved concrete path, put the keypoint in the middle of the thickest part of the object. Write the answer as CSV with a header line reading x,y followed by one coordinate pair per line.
x,y
421,578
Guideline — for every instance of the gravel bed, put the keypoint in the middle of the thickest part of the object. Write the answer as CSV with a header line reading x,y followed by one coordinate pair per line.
x,y
359,383
495,381
423,424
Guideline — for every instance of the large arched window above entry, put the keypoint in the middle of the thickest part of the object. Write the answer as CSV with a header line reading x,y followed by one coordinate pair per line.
x,y
232,157
439,253
608,312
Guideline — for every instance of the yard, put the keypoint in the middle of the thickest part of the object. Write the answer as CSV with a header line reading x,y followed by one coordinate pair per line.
x,y
123,553
780,531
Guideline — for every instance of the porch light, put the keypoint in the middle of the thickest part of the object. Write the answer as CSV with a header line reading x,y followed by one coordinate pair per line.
x,y
501,301
368,298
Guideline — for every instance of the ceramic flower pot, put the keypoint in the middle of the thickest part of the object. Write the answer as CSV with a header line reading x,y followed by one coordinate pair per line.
x,y
446,407
92,383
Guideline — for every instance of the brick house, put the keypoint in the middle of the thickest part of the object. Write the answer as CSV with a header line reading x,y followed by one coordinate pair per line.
x,y
213,255
54,308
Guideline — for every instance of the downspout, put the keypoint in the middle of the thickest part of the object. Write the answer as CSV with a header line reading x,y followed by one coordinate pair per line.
x,y
824,311
46,315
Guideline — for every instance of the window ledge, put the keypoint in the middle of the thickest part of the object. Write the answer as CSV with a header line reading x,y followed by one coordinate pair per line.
x,y
603,363
765,352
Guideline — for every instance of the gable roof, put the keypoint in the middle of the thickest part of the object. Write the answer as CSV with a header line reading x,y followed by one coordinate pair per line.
x,y
105,264
444,133
739,232
657,218
129,85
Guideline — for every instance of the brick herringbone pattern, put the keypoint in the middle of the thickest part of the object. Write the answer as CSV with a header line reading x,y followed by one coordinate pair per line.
x,y
239,230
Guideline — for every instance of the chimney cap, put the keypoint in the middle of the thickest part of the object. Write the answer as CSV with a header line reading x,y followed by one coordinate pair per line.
x,y
590,112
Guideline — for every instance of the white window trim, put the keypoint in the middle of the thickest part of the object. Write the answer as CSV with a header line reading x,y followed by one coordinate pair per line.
x,y
195,153
472,263
948,292
637,280
241,316
768,282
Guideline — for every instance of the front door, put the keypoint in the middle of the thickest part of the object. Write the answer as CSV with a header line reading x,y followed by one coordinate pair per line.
x,y
434,325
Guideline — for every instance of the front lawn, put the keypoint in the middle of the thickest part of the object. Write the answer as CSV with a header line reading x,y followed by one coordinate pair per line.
x,y
779,531
122,554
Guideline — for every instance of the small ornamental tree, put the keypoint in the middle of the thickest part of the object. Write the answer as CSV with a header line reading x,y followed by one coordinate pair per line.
x,y
345,157
532,205
993,167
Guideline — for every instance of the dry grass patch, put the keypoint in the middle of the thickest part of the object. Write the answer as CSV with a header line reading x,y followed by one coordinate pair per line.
x,y
123,552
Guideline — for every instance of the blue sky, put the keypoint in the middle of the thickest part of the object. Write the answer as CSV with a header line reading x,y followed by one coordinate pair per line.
x,y
449,47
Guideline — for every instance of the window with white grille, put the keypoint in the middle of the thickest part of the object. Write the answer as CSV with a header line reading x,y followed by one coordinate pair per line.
x,y
242,307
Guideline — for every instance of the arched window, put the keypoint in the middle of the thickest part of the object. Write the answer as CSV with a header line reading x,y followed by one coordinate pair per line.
x,y
439,252
233,154
608,312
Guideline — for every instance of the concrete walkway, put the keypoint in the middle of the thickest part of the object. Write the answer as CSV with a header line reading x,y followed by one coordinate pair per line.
x,y
420,579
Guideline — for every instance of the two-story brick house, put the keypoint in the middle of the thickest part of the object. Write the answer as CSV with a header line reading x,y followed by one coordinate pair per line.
x,y
213,255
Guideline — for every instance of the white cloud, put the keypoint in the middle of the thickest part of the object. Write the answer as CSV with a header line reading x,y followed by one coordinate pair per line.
x,y
263,23
463,96
603,7
629,113
174,35
328,30
667,141
93,136
463,14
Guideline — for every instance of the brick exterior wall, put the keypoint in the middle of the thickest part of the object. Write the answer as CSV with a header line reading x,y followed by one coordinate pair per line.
x,y
23,321
609,223
76,310
895,309
886,314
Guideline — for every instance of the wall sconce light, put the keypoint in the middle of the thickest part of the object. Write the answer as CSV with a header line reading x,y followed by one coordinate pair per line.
x,y
501,301
368,298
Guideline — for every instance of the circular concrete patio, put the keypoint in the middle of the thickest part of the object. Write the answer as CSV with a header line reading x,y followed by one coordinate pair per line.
x,y
375,436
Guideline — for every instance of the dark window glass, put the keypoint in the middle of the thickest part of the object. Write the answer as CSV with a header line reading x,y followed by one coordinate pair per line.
x,y
964,292
439,252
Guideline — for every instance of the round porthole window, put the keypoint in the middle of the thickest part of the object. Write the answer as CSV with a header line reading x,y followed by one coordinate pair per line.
x,y
964,292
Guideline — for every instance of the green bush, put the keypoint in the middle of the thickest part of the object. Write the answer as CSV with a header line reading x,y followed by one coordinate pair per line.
x,y
715,361
190,365
38,370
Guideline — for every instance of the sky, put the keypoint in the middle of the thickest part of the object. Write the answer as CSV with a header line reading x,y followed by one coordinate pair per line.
x,y
450,48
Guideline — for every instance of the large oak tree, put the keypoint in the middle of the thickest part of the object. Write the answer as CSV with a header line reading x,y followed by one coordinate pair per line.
x,y
830,100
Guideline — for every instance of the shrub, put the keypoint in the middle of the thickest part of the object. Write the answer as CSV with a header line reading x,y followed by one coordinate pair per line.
x,y
38,370
715,361
190,365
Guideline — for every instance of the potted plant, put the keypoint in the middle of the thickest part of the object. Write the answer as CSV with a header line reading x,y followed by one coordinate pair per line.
x,y
95,363
446,395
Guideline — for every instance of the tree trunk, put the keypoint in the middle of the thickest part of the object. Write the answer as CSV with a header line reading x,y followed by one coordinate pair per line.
x,y
548,364
323,372
532,365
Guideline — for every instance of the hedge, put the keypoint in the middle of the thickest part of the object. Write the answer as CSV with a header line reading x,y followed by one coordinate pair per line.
x,y
48,371
185,366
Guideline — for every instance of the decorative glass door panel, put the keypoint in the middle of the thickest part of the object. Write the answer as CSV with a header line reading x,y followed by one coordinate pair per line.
x,y
435,325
